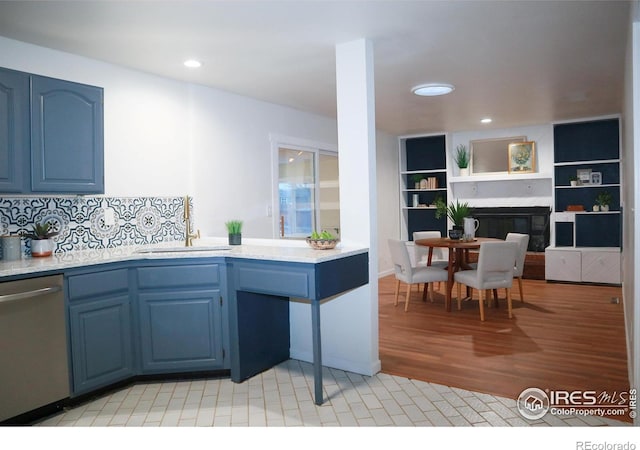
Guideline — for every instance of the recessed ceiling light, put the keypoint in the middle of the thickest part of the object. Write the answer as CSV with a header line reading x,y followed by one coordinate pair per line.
x,y
486,120
432,89
192,63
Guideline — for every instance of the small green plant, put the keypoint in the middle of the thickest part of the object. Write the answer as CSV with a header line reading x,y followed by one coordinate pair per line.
x,y
455,211
41,231
461,156
573,178
234,226
416,178
604,198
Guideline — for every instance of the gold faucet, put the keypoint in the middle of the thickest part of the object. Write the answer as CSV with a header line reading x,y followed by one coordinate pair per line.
x,y
189,237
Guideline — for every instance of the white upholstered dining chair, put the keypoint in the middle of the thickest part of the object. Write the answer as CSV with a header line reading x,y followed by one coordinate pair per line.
x,y
523,243
421,253
438,258
494,271
408,274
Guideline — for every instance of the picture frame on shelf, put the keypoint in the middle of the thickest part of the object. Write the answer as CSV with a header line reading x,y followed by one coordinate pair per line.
x,y
584,176
596,178
522,157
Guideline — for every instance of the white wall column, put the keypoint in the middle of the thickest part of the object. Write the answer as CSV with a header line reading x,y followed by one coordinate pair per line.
x,y
357,311
349,322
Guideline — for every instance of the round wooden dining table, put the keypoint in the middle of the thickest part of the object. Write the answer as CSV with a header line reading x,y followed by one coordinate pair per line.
x,y
458,256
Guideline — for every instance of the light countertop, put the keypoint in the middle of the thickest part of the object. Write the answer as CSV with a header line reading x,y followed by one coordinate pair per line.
x,y
261,249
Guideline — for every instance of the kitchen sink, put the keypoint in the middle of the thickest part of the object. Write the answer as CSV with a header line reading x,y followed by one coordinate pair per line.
x,y
183,249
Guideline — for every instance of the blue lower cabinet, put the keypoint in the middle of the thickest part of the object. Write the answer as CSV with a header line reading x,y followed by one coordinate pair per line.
x,y
100,327
101,348
180,310
181,331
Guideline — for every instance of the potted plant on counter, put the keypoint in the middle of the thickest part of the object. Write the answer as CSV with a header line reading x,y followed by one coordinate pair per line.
x,y
234,228
41,242
456,212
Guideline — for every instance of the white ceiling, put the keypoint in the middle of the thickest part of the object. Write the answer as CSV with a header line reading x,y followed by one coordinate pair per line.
x,y
520,62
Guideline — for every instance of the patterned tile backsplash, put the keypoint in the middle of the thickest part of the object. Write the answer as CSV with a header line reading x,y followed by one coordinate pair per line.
x,y
81,223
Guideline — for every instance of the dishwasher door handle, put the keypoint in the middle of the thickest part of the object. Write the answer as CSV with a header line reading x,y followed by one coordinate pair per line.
x,y
29,294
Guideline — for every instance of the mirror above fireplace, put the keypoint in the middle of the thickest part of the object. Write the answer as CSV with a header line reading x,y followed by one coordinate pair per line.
x,y
492,155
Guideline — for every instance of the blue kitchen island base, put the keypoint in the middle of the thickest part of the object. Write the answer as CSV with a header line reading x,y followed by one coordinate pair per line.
x,y
259,310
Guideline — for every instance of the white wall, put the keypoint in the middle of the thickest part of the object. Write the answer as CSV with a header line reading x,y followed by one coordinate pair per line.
x,y
232,157
388,174
631,184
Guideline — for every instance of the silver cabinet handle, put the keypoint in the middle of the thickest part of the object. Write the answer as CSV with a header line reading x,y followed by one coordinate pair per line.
x,y
29,294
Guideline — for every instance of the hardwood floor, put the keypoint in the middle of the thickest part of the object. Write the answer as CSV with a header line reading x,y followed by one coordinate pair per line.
x,y
563,337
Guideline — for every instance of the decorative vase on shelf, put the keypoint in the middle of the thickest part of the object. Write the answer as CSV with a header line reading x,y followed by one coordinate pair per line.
x,y
604,208
464,171
235,239
41,247
596,208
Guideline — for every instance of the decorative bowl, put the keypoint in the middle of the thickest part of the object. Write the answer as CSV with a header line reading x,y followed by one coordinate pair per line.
x,y
455,234
322,244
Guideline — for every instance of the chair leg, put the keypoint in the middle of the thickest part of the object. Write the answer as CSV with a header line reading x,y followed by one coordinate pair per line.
x,y
509,303
424,292
397,292
520,289
480,291
431,292
487,296
459,294
406,301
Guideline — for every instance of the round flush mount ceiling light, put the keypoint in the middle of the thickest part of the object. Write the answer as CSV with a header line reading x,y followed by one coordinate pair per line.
x,y
192,63
432,89
486,120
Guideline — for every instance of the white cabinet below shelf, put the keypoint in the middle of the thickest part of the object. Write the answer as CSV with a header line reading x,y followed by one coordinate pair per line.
x,y
583,264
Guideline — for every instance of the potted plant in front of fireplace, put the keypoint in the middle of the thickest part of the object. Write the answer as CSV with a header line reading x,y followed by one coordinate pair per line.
x,y
461,157
41,242
456,212
234,228
603,200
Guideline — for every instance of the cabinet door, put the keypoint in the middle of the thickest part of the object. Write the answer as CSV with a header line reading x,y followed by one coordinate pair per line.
x,y
66,137
180,330
563,265
14,131
601,267
100,342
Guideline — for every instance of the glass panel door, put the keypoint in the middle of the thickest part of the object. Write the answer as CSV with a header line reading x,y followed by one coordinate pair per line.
x,y
329,194
297,192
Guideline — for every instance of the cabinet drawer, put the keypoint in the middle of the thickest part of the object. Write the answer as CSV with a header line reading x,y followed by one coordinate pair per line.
x,y
98,283
189,276
563,265
283,281
601,267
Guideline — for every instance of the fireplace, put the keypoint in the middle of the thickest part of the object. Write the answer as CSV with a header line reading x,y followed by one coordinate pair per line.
x,y
497,222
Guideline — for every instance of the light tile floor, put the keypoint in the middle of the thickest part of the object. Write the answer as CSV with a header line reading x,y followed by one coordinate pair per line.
x,y
283,396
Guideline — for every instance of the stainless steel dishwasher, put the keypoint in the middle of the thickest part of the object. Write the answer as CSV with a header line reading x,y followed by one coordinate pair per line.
x,y
34,369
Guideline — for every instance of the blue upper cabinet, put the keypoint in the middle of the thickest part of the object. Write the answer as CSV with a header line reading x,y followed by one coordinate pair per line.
x,y
51,135
67,154
14,131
